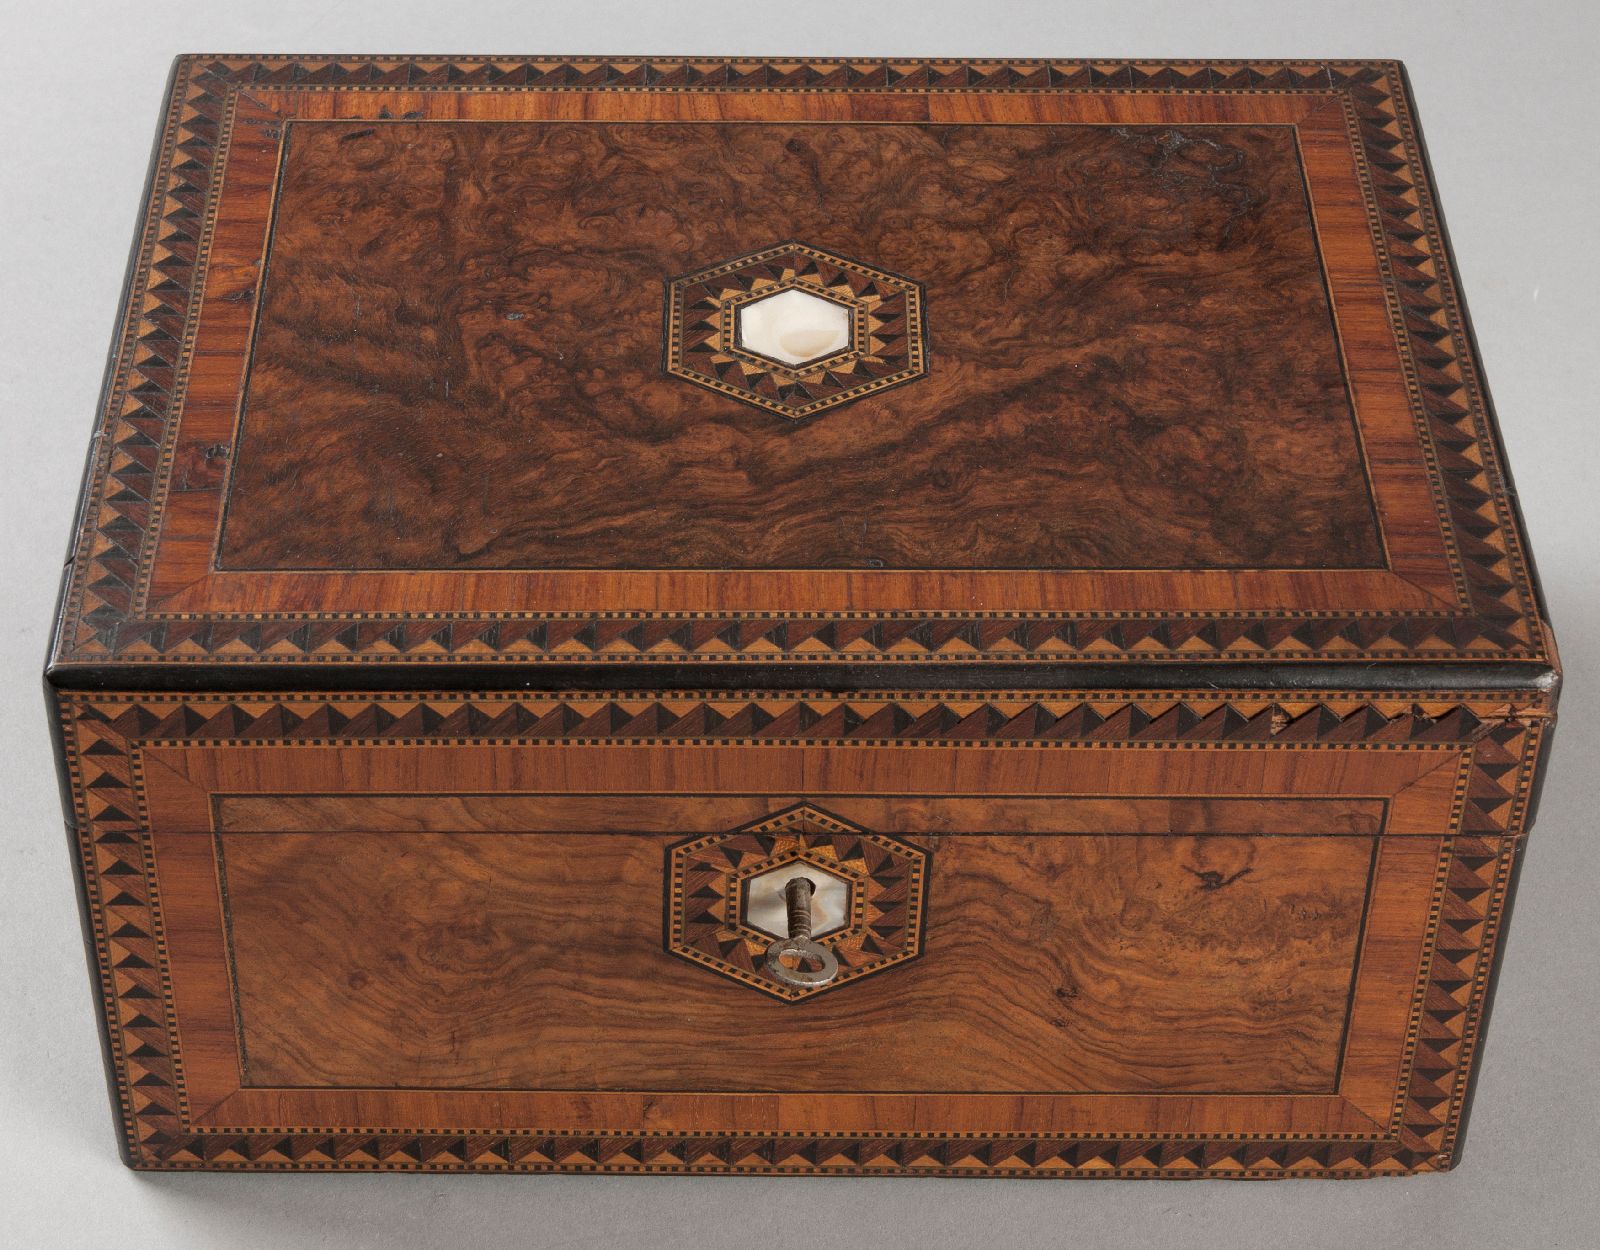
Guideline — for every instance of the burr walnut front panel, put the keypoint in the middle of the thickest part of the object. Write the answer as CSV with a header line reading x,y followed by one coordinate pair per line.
x,y
455,931
535,961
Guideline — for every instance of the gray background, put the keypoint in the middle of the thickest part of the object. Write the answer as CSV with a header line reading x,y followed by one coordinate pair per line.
x,y
1508,103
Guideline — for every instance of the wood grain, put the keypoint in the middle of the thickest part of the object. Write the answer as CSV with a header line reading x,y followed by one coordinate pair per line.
x,y
535,961
458,359
708,813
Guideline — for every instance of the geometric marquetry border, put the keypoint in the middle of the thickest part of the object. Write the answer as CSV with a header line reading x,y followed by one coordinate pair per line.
x,y
105,619
103,733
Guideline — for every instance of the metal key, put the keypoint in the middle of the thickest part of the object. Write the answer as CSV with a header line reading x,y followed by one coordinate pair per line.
x,y
814,964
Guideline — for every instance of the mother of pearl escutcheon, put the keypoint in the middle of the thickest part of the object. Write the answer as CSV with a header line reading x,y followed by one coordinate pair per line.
x,y
726,898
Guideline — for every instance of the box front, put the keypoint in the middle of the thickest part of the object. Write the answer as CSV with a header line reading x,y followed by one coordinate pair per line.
x,y
1098,933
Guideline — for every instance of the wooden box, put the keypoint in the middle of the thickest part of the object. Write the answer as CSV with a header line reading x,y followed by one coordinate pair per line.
x,y
544,507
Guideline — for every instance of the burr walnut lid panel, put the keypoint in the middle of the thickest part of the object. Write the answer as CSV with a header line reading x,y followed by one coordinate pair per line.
x,y
556,362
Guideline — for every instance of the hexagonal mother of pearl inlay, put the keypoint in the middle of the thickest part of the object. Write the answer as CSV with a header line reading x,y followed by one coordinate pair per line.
x,y
794,326
794,329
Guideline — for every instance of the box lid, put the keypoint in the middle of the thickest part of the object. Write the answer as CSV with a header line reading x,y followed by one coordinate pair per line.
x,y
563,362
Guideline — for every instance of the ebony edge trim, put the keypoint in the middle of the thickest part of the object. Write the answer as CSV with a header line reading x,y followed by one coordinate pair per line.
x,y
1321,675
